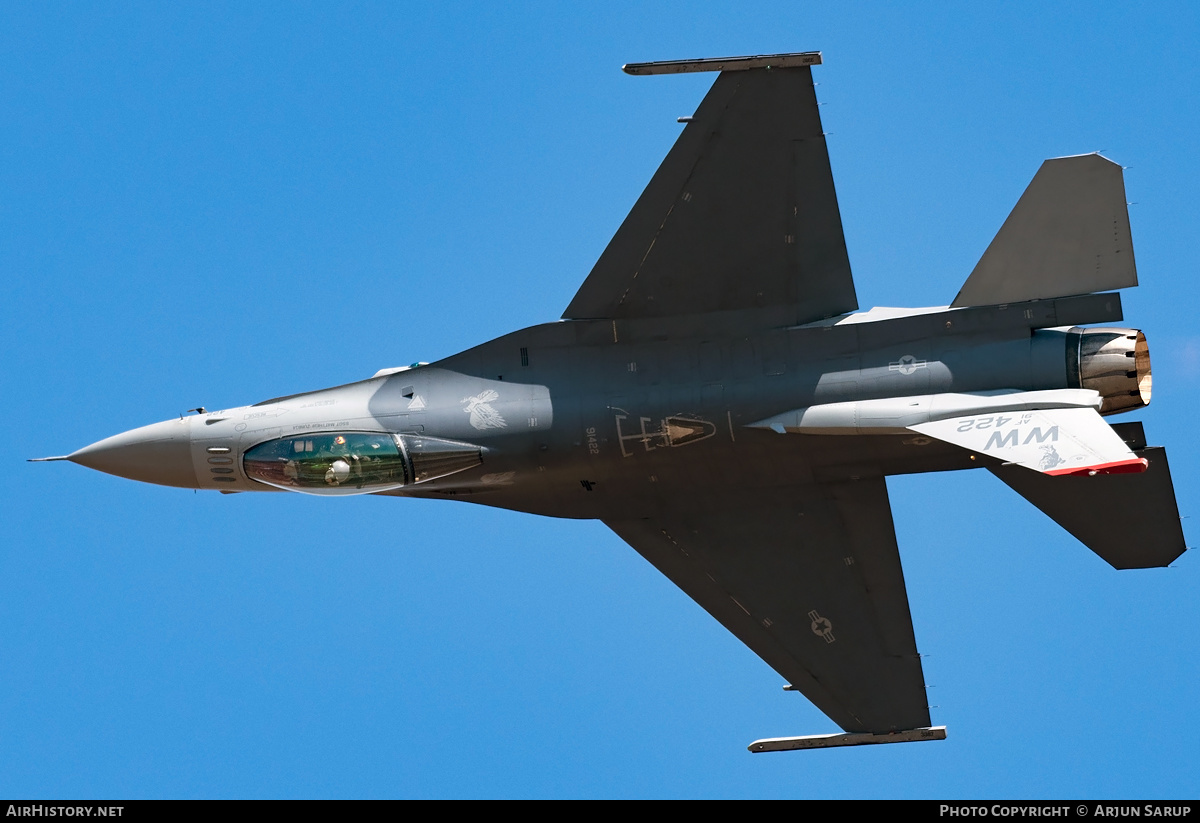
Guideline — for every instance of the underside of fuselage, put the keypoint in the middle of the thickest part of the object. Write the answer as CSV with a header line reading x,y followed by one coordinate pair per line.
x,y
713,395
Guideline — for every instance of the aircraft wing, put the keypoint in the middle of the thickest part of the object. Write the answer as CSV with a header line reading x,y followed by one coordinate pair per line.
x,y
809,578
741,214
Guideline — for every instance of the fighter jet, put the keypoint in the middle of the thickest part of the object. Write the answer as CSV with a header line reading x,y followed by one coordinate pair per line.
x,y
714,395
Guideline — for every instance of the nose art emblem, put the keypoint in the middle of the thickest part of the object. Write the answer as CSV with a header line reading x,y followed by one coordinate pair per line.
x,y
483,415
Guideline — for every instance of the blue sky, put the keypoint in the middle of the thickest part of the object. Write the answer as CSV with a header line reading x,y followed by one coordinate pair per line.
x,y
194,199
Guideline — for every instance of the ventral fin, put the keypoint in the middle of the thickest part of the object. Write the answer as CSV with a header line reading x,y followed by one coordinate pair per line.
x,y
1054,442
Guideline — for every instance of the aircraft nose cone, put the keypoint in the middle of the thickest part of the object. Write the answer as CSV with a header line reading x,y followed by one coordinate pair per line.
x,y
159,453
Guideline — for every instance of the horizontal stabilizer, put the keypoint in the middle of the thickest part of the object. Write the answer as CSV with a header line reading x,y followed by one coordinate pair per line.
x,y
828,741
1053,442
1067,235
1131,521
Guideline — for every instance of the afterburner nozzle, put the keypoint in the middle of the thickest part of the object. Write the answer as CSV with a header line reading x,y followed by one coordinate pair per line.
x,y
1113,362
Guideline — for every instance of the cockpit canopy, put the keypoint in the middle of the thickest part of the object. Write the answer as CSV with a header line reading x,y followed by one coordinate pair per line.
x,y
345,463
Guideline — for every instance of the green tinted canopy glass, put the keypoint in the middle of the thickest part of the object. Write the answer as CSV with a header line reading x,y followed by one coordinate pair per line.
x,y
330,463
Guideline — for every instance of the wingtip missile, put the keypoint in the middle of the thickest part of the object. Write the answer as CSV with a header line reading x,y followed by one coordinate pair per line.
x,y
829,741
754,61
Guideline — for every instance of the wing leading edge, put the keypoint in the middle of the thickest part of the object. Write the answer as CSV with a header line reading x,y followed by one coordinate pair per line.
x,y
810,579
741,215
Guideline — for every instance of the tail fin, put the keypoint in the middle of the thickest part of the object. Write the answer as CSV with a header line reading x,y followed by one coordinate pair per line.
x,y
1067,235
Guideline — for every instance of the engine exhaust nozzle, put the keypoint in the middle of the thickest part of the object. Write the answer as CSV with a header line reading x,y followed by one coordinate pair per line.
x,y
1114,362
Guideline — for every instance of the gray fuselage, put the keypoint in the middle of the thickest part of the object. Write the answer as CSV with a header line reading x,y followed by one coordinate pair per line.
x,y
594,419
